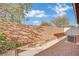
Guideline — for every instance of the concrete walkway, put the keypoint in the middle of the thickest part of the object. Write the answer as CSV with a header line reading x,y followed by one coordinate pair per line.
x,y
62,48
34,51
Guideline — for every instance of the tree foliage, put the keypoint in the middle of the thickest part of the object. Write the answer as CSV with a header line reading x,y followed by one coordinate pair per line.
x,y
45,23
12,12
61,21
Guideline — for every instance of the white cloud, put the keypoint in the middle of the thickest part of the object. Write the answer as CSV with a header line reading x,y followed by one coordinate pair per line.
x,y
36,13
36,22
60,14
60,9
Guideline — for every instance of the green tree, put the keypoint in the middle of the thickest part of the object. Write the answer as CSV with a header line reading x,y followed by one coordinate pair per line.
x,y
13,12
26,7
61,21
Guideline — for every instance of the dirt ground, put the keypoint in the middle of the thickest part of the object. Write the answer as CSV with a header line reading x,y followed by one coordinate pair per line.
x,y
28,34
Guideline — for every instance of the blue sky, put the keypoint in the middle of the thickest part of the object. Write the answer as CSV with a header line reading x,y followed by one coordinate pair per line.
x,y
48,11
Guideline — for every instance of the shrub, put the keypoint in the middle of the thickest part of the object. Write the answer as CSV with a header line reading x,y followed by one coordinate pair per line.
x,y
5,45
